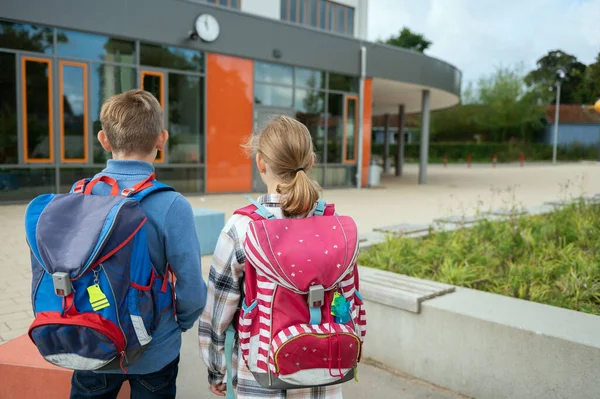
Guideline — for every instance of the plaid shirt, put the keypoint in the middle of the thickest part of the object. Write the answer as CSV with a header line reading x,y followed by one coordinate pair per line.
x,y
224,294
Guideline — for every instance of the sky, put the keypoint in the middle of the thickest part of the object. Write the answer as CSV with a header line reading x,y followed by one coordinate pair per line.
x,y
477,36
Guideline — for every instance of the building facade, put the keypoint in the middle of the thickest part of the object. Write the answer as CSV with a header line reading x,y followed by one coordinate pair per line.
x,y
219,68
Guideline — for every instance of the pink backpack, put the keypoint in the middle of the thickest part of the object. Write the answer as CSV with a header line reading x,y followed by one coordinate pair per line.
x,y
302,321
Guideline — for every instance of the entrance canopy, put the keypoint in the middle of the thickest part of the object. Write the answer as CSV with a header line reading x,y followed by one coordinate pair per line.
x,y
389,94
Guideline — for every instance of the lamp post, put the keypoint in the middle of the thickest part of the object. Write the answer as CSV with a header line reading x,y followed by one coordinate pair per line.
x,y
561,75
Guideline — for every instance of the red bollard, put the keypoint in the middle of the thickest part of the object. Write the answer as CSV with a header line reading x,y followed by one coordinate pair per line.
x,y
522,159
494,161
445,161
469,159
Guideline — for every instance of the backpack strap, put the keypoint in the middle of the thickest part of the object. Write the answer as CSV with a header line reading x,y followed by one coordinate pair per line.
x,y
229,346
324,209
256,211
150,188
79,186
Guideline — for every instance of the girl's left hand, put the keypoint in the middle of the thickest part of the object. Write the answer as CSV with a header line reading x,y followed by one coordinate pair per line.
x,y
219,389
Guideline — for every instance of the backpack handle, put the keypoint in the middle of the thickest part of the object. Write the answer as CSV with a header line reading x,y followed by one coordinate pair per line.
x,y
144,184
104,179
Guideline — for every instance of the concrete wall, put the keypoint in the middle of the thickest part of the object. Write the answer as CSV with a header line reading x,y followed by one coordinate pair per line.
x,y
489,346
573,133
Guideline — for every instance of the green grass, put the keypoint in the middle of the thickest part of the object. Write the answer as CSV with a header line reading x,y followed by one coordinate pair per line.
x,y
552,259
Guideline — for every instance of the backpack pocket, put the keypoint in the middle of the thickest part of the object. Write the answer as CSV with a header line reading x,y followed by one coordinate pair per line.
x,y
314,355
85,341
142,311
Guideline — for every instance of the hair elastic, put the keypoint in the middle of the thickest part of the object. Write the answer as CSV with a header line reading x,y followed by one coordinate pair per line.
x,y
300,169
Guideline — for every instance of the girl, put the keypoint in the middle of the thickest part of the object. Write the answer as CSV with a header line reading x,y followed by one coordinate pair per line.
x,y
284,156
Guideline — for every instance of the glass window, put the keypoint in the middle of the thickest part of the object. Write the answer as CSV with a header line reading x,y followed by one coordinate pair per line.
x,y
312,11
171,57
25,184
309,78
235,4
335,128
338,176
340,20
154,82
69,176
274,96
26,37
351,129
37,118
185,119
223,3
95,47
273,73
302,10
330,16
186,180
310,110
9,145
322,14
343,83
107,80
350,21
73,112
284,10
293,10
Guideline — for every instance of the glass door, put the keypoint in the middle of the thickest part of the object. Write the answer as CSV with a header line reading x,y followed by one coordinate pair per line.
x,y
154,82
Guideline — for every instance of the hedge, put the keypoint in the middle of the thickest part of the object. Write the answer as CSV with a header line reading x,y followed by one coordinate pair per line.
x,y
484,152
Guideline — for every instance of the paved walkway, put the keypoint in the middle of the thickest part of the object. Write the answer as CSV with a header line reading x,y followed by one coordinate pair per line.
x,y
452,190
449,191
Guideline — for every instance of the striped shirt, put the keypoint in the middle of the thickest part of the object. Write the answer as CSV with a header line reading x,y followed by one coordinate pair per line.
x,y
224,292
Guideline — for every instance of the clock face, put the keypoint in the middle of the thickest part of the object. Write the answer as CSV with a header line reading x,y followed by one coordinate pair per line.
x,y
207,27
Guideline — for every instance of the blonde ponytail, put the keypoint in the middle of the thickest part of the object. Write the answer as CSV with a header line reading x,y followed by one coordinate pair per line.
x,y
287,148
299,195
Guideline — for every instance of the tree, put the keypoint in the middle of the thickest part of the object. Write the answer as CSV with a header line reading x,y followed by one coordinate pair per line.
x,y
543,79
497,108
512,110
590,88
409,40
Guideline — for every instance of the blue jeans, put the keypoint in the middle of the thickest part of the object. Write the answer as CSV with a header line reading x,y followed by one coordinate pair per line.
x,y
159,385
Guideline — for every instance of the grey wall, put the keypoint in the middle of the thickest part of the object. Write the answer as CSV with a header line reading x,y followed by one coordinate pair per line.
x,y
573,133
242,35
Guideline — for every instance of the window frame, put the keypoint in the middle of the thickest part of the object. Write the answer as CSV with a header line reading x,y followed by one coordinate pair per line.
x,y
354,160
143,72
25,147
61,115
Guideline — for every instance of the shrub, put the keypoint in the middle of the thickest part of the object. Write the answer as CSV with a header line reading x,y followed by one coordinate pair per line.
x,y
483,152
552,259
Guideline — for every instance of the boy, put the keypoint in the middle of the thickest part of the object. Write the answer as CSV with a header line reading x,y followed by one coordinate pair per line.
x,y
132,130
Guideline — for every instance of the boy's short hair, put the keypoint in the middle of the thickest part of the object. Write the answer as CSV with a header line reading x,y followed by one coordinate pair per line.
x,y
132,121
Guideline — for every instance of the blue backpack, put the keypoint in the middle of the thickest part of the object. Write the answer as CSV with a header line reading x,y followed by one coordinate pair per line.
x,y
97,299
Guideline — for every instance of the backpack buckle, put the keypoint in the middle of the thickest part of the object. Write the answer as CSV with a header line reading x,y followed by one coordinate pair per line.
x,y
316,296
127,192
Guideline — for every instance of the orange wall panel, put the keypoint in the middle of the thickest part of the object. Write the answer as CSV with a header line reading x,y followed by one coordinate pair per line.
x,y
229,119
367,114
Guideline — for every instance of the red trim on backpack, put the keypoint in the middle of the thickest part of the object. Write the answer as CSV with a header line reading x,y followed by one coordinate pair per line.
x,y
144,184
144,287
250,212
69,305
89,320
79,186
105,179
120,246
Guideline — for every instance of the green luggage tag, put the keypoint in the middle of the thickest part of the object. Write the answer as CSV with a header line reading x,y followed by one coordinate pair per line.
x,y
97,298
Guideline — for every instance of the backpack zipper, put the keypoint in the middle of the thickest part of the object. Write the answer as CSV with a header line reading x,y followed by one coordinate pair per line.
x,y
123,354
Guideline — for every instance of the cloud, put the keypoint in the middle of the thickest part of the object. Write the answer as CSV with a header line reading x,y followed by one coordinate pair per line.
x,y
479,35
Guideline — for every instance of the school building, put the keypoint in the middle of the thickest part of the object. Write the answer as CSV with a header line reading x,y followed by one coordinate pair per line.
x,y
220,69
